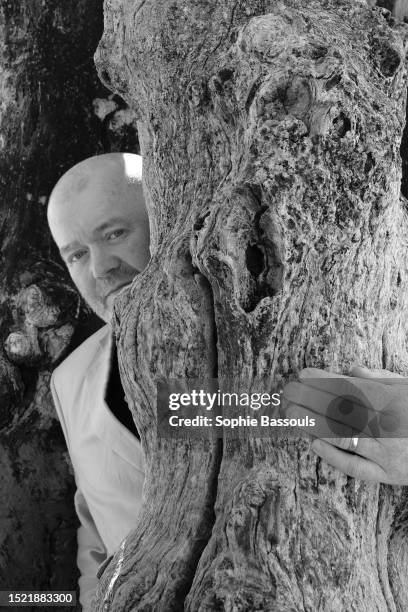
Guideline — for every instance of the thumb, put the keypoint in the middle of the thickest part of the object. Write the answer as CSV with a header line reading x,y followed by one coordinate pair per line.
x,y
384,376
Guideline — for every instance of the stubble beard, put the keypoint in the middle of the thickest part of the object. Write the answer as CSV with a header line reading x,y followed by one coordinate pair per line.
x,y
123,275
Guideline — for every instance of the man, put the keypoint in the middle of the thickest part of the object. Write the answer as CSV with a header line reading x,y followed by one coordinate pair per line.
x,y
98,219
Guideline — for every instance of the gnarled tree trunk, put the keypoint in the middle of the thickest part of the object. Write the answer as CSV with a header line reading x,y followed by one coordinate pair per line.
x,y
270,132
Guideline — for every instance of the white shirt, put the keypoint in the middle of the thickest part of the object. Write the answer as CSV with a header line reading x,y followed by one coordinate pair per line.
x,y
107,458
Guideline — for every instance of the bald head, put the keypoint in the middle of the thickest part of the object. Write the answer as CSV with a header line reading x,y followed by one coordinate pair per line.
x,y
98,218
114,173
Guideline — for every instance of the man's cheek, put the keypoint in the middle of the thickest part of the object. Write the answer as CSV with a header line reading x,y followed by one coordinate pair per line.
x,y
86,286
135,254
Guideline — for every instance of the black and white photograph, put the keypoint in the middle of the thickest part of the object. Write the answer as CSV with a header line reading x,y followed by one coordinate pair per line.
x,y
204,305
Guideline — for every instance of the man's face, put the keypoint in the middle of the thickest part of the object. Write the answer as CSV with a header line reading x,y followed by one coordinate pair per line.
x,y
103,235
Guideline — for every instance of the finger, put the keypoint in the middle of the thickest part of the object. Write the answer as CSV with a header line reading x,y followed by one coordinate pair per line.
x,y
324,424
308,396
318,394
384,376
367,447
353,465
316,373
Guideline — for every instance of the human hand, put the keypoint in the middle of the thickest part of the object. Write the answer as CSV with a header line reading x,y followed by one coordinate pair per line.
x,y
368,408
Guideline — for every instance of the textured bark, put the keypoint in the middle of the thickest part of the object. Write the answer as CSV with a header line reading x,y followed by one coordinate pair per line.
x,y
50,118
270,133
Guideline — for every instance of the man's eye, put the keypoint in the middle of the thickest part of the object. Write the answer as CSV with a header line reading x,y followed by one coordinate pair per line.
x,y
115,234
76,256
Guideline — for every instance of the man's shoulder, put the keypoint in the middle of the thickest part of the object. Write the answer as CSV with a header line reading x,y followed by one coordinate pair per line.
x,y
75,367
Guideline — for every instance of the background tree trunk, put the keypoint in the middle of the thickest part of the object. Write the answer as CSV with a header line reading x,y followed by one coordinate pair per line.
x,y
270,133
399,8
54,112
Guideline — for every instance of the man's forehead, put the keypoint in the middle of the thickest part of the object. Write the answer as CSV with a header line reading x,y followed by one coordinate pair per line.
x,y
90,223
72,184
86,216
93,199
108,173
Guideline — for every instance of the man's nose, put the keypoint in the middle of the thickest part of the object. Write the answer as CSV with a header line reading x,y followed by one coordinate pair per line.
x,y
103,262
